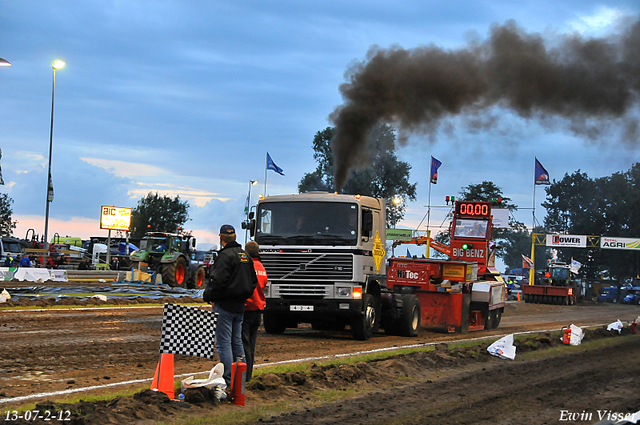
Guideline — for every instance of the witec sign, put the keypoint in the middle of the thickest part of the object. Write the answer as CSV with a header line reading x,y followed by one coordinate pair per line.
x,y
575,241
115,218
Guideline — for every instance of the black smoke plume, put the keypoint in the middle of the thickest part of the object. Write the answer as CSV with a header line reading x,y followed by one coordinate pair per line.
x,y
585,81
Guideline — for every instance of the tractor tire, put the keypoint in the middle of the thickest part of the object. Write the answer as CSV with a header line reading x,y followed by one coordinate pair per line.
x,y
273,324
175,274
410,316
198,279
362,326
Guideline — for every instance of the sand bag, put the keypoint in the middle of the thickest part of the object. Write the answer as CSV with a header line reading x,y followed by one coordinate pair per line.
x,y
503,348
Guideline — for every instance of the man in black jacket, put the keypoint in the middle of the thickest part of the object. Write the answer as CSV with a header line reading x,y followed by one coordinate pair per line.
x,y
232,281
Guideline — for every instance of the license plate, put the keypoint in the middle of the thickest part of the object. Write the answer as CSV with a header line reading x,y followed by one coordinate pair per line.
x,y
301,308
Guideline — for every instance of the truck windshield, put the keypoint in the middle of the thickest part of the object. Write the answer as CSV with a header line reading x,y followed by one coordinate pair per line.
x,y
11,246
557,273
307,223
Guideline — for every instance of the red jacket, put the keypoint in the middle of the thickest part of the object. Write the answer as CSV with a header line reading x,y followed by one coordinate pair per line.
x,y
257,300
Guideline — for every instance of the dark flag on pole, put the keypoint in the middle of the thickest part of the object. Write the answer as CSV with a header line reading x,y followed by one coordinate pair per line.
x,y
541,176
188,330
272,165
50,192
435,164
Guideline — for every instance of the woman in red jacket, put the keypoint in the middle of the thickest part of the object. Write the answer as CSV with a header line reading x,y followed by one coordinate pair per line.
x,y
253,308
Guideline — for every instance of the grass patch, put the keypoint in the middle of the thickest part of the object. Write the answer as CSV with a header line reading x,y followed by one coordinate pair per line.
x,y
336,361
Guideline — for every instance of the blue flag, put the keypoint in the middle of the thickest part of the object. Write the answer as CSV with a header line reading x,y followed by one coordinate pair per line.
x,y
435,164
409,254
272,165
541,176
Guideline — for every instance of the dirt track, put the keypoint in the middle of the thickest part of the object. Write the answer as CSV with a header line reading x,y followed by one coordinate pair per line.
x,y
45,351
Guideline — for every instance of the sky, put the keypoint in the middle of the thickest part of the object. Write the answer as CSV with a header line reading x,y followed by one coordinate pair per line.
x,y
187,97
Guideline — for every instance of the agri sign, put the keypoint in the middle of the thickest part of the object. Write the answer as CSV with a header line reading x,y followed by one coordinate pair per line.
x,y
619,243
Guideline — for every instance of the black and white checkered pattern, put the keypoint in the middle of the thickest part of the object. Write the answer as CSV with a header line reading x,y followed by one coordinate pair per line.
x,y
189,331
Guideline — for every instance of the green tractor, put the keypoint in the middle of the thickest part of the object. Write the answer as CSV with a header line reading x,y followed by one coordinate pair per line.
x,y
169,255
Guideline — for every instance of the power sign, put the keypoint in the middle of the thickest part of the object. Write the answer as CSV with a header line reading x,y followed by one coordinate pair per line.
x,y
115,218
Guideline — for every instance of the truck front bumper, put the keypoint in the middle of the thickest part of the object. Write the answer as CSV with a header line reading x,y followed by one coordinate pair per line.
x,y
322,309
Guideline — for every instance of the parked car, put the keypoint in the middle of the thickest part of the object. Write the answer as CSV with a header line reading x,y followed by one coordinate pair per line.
x,y
633,295
611,294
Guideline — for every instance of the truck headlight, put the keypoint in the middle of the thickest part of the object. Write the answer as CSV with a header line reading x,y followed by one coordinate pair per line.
x,y
343,292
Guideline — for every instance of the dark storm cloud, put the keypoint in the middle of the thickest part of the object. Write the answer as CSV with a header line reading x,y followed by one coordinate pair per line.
x,y
583,80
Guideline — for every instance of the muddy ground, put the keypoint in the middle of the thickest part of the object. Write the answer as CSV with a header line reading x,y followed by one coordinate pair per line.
x,y
57,351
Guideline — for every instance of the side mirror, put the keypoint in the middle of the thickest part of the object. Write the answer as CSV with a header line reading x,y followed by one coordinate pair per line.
x,y
192,243
251,215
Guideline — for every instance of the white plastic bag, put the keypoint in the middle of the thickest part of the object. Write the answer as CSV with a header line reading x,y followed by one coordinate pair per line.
x,y
4,296
615,326
215,379
576,335
503,348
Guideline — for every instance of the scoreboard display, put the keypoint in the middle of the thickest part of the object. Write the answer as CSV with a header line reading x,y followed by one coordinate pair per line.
x,y
475,209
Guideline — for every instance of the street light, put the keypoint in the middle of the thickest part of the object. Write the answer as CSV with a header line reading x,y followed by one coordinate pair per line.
x,y
247,208
4,62
56,65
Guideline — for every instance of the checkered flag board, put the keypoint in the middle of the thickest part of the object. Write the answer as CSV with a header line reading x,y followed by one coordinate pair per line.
x,y
189,331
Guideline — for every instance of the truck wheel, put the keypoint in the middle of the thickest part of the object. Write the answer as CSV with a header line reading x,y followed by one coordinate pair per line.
x,y
497,318
410,316
273,324
615,301
490,320
198,281
363,324
175,274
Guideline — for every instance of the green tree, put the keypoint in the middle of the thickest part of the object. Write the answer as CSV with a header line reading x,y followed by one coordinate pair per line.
x,y
155,213
605,206
6,224
386,176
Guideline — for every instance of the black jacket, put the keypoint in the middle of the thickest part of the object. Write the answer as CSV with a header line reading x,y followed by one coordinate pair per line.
x,y
232,279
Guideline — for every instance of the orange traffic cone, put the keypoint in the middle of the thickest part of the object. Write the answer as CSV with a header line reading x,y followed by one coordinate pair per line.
x,y
163,380
518,296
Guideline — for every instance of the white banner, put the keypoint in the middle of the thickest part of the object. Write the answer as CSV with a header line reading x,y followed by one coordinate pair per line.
x,y
500,218
619,243
575,241
33,274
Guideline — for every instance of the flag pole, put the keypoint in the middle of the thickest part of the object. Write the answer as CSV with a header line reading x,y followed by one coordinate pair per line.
x,y
532,270
266,164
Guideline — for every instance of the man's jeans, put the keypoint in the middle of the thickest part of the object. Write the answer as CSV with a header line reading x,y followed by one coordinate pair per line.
x,y
228,339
